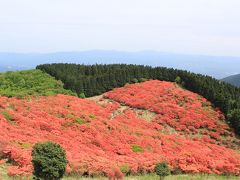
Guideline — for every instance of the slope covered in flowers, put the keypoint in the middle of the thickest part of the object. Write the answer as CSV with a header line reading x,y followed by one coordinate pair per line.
x,y
98,143
186,112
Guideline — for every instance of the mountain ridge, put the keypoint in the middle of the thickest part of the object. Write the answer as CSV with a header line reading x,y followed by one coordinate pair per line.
x,y
234,80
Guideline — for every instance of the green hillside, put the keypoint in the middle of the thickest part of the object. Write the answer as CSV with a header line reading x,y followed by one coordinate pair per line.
x,y
234,80
31,82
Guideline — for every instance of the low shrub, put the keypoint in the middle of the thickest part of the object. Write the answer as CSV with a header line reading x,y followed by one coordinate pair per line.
x,y
137,148
49,161
162,170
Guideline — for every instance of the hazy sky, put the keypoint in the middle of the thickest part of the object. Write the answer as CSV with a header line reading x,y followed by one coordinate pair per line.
x,y
182,26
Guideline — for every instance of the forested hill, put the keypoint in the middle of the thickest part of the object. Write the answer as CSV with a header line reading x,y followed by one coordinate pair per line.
x,y
234,80
91,80
30,82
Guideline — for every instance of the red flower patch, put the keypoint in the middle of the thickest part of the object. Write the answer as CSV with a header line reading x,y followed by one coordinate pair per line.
x,y
98,144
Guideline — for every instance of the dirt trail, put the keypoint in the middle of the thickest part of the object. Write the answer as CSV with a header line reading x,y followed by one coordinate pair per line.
x,y
141,113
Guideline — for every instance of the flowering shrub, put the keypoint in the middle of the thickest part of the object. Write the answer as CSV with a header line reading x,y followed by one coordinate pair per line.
x,y
103,144
180,109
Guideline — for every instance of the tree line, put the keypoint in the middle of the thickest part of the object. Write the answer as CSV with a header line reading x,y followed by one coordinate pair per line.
x,y
91,80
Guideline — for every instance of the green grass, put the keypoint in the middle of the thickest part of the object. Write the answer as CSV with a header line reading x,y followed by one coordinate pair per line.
x,y
3,172
136,148
7,116
79,121
4,176
173,177
30,82
92,116
125,168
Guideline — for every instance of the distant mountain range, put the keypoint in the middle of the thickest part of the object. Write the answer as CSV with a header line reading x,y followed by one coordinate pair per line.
x,y
234,80
216,66
12,68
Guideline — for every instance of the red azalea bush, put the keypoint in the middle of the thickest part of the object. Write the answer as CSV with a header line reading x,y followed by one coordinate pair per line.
x,y
98,144
180,109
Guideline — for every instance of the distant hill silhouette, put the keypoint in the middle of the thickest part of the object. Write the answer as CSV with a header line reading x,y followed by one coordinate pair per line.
x,y
216,66
12,68
234,80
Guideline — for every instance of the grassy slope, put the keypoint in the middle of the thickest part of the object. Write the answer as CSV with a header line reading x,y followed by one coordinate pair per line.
x,y
31,82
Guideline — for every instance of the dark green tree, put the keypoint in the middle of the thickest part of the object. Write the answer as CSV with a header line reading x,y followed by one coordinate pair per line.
x,y
82,95
178,80
49,161
162,170
234,118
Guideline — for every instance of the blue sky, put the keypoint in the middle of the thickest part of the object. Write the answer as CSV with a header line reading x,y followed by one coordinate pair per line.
x,y
210,27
